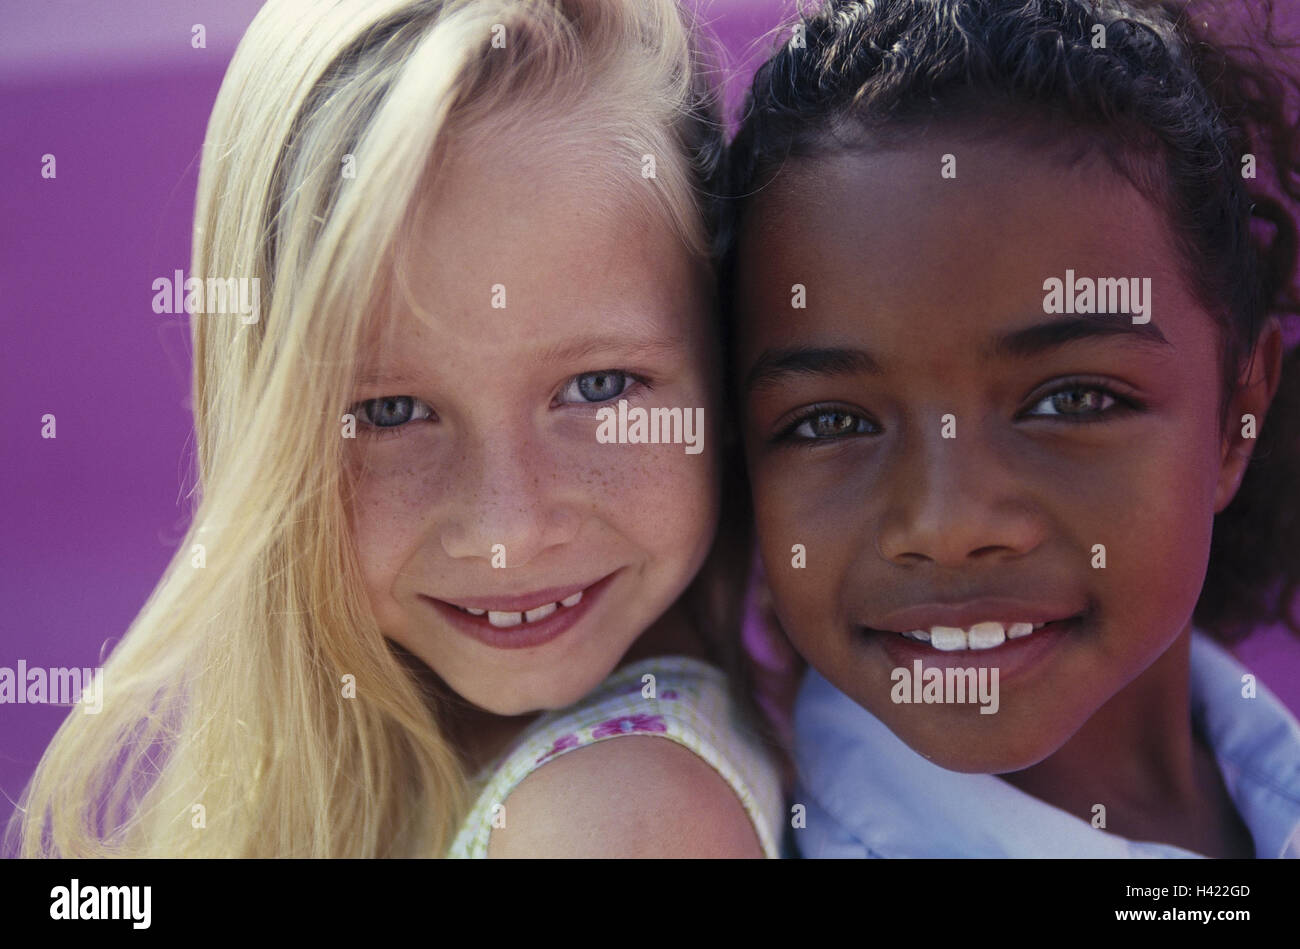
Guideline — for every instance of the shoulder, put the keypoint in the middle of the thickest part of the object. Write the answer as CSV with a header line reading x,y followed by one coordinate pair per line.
x,y
630,796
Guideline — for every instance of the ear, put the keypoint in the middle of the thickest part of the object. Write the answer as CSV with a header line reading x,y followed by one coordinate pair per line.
x,y
1255,390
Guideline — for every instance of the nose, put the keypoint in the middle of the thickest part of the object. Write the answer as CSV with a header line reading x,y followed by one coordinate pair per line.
x,y
951,501
508,503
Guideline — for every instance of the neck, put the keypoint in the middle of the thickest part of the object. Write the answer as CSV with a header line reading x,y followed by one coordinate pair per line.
x,y
1138,744
1141,758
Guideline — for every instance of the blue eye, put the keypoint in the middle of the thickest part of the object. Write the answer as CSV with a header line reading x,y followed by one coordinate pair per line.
x,y
392,411
597,386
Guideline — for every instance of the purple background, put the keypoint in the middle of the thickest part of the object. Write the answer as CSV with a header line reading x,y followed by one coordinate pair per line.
x,y
89,520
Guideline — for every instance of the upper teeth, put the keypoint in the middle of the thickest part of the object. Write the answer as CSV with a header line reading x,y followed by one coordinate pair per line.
x,y
507,618
540,612
980,636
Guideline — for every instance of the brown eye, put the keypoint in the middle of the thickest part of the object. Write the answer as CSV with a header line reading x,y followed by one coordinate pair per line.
x,y
829,423
1075,401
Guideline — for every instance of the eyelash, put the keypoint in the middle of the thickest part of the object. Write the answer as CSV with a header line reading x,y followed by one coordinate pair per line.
x,y
633,380
396,431
787,433
1122,406
387,431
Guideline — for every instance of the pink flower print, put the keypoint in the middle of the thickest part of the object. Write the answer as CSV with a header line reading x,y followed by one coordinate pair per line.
x,y
628,724
562,743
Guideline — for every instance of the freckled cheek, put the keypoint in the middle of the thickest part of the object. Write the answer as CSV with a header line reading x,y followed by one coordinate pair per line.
x,y
657,496
389,517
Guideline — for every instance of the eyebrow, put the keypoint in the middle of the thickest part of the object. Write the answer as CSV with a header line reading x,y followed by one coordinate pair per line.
x,y
385,377
624,346
1037,339
776,364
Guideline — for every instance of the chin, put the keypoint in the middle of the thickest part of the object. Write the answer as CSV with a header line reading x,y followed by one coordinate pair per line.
x,y
978,752
984,761
549,695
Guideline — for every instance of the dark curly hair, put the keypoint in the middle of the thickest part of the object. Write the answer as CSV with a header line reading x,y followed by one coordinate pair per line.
x,y
1172,109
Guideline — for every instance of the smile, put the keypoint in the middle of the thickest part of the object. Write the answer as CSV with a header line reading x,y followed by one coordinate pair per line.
x,y
984,635
504,619
522,620
981,624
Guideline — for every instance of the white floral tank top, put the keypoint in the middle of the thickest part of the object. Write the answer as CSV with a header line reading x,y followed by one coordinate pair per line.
x,y
686,701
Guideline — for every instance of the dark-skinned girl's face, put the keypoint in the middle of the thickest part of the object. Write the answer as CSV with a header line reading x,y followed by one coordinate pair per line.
x,y
950,453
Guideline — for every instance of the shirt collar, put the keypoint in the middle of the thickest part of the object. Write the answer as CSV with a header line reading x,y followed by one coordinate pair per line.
x,y
896,803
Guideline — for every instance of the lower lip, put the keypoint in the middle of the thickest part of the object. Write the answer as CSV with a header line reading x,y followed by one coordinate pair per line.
x,y
1012,658
525,635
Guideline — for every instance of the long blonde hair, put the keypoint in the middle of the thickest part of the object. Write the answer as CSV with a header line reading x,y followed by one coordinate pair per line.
x,y
225,729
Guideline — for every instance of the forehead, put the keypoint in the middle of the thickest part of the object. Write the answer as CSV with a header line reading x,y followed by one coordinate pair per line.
x,y
517,239
885,232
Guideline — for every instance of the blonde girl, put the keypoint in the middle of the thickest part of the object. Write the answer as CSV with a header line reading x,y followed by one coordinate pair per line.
x,y
415,575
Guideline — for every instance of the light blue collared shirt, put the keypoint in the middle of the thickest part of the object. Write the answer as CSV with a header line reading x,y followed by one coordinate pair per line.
x,y
869,795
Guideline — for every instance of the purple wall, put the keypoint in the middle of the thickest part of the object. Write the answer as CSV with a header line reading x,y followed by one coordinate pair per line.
x,y
88,520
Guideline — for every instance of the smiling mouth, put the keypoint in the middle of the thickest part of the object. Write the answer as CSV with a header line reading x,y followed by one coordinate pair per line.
x,y
988,634
520,612
504,619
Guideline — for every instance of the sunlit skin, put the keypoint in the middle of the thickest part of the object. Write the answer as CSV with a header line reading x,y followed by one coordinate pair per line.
x,y
500,446
925,274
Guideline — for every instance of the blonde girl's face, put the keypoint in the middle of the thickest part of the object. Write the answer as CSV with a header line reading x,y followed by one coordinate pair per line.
x,y
502,543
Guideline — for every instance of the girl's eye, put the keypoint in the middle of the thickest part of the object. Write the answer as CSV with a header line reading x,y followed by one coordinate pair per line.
x,y
597,386
1076,401
393,411
823,424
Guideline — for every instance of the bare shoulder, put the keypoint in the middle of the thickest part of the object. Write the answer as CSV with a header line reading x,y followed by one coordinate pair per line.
x,y
633,796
